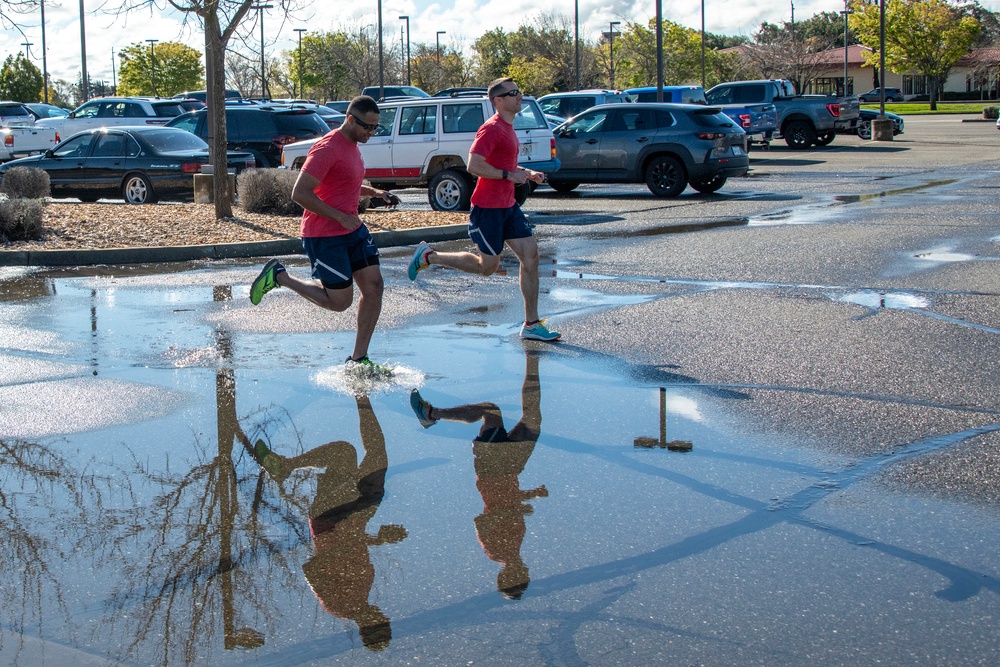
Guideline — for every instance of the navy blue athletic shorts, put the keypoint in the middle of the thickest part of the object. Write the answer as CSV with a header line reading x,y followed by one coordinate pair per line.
x,y
334,259
490,227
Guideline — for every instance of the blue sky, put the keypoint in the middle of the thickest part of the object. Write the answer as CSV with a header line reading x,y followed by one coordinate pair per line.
x,y
462,21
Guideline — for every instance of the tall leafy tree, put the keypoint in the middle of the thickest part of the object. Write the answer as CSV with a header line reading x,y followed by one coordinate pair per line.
x,y
635,57
494,55
177,68
20,80
923,36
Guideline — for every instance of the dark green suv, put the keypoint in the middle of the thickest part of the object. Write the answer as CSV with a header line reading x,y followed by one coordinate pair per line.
x,y
261,131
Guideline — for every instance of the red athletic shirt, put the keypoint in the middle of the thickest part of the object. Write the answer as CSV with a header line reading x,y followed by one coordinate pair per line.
x,y
336,161
497,142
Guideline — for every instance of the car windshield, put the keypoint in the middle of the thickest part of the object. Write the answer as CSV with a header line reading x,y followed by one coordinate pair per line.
x,y
171,141
710,117
299,124
530,118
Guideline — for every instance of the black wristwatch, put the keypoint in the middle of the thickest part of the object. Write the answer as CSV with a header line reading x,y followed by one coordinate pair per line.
x,y
504,174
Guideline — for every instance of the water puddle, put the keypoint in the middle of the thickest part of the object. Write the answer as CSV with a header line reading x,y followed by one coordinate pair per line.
x,y
827,208
217,495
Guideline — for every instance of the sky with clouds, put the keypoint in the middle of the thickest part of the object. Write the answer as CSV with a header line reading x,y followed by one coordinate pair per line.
x,y
462,20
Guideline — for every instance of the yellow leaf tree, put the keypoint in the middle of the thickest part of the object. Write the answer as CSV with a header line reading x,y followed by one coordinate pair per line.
x,y
926,37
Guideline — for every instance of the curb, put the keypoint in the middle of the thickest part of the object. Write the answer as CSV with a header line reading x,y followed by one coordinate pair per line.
x,y
152,255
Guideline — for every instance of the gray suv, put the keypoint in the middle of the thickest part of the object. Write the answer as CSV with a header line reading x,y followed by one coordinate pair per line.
x,y
665,146
567,105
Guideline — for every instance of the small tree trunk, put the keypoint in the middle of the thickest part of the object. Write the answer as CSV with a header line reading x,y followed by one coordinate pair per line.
x,y
934,93
215,79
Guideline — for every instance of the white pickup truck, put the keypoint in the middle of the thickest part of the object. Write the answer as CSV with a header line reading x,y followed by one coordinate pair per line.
x,y
424,142
19,140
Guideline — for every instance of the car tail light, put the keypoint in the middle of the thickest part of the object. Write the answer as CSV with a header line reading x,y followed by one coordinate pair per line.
x,y
284,139
552,148
834,109
190,167
745,120
250,163
710,136
8,140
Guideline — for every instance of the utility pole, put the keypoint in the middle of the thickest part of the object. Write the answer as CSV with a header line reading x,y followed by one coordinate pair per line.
x,y
45,66
302,86
611,51
84,79
407,19
152,63
263,72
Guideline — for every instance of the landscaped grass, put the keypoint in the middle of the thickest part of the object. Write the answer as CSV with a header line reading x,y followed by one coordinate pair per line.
x,y
916,108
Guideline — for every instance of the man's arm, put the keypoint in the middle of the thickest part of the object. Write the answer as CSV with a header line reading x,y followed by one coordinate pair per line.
x,y
303,194
480,168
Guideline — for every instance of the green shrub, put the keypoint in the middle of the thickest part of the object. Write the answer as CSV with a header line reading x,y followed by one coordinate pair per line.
x,y
270,191
991,113
25,183
21,219
267,191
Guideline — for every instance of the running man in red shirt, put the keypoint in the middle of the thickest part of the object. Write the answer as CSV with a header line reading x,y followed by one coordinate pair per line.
x,y
340,248
496,217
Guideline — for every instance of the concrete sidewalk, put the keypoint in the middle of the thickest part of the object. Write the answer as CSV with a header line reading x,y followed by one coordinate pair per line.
x,y
149,255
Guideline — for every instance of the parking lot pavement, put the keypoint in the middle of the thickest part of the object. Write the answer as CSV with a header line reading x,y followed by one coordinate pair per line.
x,y
770,435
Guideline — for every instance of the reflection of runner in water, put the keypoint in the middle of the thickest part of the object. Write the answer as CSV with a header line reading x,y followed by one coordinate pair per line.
x,y
500,456
341,573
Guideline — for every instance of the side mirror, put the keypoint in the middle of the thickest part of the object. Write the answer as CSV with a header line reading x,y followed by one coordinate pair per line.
x,y
72,114
49,153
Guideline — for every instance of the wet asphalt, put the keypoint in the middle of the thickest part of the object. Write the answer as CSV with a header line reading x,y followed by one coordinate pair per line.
x,y
769,436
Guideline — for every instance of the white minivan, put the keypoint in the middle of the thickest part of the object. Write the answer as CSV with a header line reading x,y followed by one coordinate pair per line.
x,y
425,142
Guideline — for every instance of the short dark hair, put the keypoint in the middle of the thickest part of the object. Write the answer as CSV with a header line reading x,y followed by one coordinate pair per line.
x,y
497,86
362,104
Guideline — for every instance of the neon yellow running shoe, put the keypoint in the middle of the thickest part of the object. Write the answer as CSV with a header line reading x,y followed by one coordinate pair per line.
x,y
266,281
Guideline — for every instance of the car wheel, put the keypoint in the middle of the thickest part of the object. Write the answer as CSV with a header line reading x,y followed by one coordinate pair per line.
x,y
449,190
865,129
665,176
825,139
710,185
799,134
136,189
521,192
564,186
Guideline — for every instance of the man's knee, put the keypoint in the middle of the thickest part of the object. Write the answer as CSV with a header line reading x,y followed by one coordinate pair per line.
x,y
488,264
339,300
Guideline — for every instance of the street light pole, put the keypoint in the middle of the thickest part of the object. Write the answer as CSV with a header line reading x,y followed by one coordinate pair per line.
x,y
302,86
611,53
114,75
381,66
659,50
438,38
845,13
45,66
152,63
703,43
576,40
84,79
263,73
407,19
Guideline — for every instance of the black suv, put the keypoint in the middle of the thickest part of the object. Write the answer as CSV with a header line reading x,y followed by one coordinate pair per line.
x,y
261,131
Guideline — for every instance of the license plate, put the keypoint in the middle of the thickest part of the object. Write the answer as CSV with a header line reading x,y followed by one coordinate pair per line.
x,y
525,149
737,151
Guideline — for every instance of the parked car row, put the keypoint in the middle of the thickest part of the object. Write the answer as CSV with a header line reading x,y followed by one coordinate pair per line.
x,y
139,164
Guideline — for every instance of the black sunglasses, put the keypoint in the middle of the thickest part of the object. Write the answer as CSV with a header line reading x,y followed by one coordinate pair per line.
x,y
511,93
371,127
